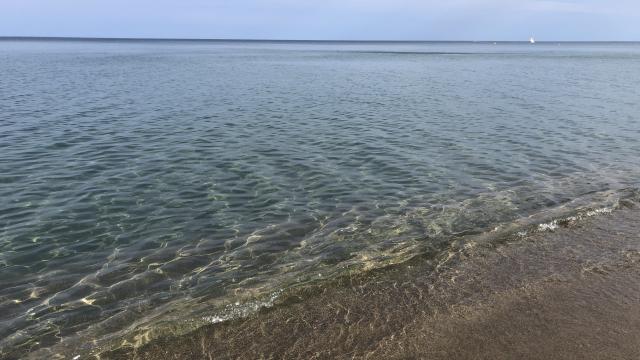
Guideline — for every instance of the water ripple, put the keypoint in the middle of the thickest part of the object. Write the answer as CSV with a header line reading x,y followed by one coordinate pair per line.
x,y
147,182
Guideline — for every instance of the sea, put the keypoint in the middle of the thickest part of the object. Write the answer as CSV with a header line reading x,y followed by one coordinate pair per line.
x,y
151,187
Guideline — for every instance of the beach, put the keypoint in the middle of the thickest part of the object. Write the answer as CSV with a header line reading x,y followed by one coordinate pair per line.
x,y
568,293
328,199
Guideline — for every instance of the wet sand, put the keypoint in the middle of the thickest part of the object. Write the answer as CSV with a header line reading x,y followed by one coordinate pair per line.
x,y
570,293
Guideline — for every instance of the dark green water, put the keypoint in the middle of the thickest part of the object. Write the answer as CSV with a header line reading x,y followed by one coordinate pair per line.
x,y
178,183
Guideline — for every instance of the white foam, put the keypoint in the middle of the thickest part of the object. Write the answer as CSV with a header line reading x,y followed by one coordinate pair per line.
x,y
239,310
550,226
553,225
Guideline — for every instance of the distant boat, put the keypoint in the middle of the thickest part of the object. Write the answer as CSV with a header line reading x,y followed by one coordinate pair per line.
x,y
532,40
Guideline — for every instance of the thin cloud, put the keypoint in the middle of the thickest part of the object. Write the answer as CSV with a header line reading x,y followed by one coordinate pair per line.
x,y
326,19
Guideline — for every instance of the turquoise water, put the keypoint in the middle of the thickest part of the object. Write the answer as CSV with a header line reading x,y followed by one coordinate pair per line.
x,y
146,182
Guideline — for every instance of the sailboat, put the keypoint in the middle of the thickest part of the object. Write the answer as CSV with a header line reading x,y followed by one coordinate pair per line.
x,y
532,40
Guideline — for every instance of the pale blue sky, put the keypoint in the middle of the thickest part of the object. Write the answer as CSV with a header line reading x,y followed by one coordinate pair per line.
x,y
326,19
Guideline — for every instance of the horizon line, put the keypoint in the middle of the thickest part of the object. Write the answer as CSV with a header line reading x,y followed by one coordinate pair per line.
x,y
88,38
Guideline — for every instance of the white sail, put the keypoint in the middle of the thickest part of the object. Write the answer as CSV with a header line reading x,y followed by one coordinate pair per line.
x,y
532,40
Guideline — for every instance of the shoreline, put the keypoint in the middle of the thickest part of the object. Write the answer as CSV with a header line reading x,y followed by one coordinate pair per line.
x,y
572,292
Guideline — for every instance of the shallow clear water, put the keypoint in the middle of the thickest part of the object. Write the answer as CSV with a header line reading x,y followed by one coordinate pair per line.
x,y
144,182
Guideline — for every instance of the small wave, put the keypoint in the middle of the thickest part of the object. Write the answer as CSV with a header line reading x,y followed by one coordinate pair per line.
x,y
240,310
555,224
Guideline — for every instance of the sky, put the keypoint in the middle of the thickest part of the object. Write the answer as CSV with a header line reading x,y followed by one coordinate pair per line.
x,y
325,19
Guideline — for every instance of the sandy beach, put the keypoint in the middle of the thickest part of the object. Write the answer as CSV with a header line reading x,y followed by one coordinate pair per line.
x,y
569,293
